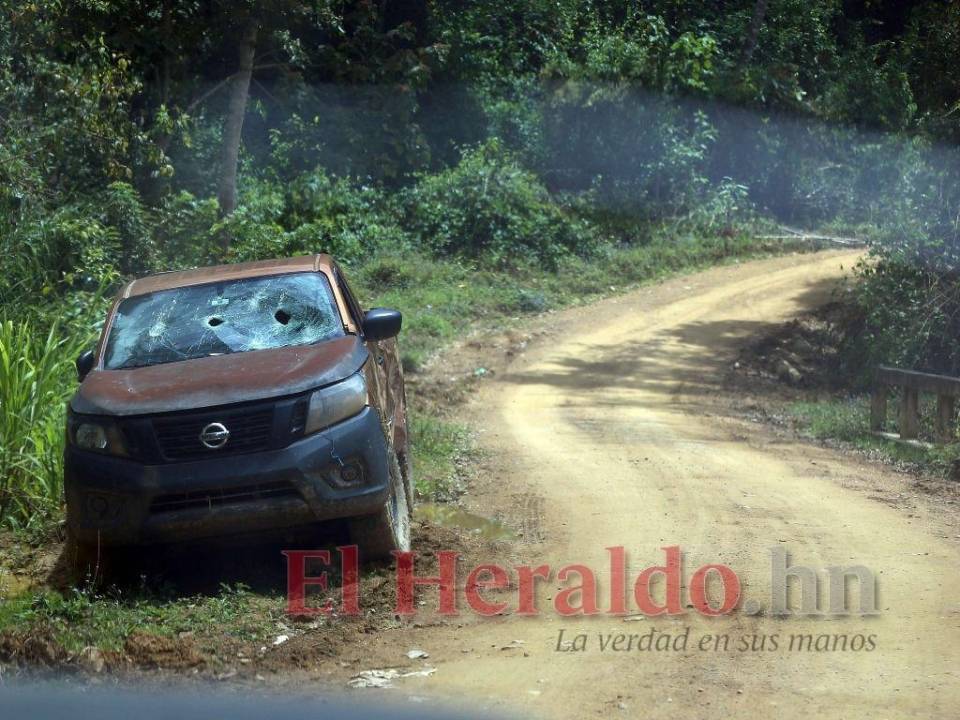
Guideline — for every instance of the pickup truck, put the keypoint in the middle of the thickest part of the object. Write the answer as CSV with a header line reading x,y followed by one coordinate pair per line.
x,y
238,398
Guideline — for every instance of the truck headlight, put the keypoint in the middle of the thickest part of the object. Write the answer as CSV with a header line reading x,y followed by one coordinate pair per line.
x,y
96,434
337,402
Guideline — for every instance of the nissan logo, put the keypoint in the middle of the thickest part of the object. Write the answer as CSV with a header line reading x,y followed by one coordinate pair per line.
x,y
214,436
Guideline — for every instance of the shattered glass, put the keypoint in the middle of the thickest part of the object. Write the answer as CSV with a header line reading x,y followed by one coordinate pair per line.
x,y
222,318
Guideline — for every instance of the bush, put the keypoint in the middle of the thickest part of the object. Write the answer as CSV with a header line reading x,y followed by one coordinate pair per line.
x,y
909,317
315,214
121,209
908,293
490,209
49,253
183,230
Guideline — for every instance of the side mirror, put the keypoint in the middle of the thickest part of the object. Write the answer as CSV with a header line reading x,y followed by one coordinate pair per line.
x,y
381,323
84,364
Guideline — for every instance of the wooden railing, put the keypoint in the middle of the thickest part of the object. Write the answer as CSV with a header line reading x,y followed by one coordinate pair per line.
x,y
947,390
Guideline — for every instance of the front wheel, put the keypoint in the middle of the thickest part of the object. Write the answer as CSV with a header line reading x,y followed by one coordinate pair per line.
x,y
388,529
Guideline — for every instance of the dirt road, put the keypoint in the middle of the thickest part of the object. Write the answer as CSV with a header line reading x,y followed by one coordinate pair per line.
x,y
613,431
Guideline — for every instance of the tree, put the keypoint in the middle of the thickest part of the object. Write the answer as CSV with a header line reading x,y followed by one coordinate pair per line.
x,y
756,23
236,111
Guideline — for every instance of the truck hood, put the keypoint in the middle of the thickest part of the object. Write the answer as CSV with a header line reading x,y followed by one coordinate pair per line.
x,y
219,380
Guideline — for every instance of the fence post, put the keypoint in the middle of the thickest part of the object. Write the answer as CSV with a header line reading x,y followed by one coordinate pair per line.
x,y
910,414
878,408
945,413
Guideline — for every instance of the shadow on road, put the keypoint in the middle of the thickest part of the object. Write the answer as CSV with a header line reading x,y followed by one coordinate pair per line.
x,y
684,364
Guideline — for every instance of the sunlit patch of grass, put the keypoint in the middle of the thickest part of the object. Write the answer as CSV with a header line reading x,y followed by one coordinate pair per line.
x,y
848,420
438,445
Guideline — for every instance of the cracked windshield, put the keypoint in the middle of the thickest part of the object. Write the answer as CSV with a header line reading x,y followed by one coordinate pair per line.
x,y
222,318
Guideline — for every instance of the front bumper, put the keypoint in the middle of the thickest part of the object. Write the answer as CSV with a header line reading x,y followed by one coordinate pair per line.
x,y
119,501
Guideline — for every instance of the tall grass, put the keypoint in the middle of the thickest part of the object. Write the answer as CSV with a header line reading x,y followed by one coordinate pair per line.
x,y
35,379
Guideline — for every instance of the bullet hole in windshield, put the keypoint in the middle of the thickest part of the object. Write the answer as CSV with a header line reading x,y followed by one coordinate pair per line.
x,y
214,321
282,316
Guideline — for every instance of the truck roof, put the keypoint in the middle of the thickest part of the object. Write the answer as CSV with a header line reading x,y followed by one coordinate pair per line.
x,y
217,273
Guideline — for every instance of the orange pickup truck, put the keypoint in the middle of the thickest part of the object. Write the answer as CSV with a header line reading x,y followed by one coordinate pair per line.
x,y
233,399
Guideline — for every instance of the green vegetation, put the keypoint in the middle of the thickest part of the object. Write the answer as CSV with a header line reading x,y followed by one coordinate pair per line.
x,y
909,309
35,370
846,420
81,617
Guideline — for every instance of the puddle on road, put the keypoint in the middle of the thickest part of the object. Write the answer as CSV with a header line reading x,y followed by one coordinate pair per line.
x,y
450,516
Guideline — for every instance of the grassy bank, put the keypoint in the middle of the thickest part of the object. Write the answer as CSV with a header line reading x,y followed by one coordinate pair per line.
x,y
441,300
847,420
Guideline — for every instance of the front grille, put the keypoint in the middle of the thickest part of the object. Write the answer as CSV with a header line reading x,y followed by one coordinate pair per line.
x,y
179,437
221,496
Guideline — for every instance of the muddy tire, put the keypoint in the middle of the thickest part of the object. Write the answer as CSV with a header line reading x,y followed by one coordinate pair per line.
x,y
383,532
406,471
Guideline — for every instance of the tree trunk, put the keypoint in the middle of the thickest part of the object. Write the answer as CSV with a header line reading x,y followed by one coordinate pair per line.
x,y
759,13
233,126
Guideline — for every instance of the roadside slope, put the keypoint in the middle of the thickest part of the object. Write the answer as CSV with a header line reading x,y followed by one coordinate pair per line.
x,y
611,432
